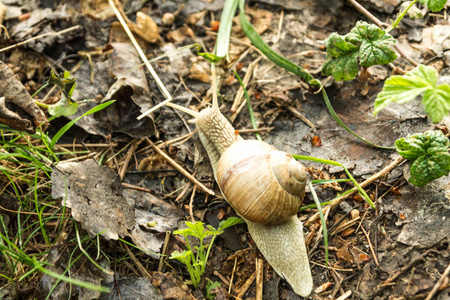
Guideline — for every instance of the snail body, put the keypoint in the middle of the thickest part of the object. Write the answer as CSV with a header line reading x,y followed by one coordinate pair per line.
x,y
266,187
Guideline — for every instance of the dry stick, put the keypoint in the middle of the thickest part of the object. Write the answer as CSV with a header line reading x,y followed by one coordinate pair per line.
x,y
232,275
259,278
162,257
240,94
365,12
191,212
138,264
39,37
301,117
438,283
411,264
138,188
380,24
246,286
141,54
186,186
180,168
128,157
371,247
367,182
345,296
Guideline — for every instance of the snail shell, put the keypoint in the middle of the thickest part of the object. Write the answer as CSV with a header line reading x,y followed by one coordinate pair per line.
x,y
275,190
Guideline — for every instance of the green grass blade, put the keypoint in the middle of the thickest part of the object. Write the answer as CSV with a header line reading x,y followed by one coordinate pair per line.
x,y
267,51
335,163
66,127
226,21
339,121
250,109
322,219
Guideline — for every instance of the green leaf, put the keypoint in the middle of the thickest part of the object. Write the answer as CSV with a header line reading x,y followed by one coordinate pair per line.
x,y
64,107
184,257
434,5
344,67
437,102
212,58
422,79
230,222
365,41
428,156
428,168
66,127
375,44
210,285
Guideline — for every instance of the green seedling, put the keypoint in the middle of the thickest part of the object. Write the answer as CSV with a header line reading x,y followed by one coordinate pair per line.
x,y
195,258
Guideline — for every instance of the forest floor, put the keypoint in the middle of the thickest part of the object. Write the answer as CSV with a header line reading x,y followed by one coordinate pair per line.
x,y
107,170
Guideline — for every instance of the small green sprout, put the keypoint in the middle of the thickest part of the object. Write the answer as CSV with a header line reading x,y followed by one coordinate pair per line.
x,y
196,262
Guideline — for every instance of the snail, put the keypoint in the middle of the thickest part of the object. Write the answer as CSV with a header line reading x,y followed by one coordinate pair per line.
x,y
266,188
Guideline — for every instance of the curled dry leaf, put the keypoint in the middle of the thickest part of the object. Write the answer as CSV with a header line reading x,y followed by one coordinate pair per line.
x,y
17,108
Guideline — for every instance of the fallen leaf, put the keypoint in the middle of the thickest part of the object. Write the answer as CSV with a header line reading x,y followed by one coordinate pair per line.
x,y
17,108
98,202
146,28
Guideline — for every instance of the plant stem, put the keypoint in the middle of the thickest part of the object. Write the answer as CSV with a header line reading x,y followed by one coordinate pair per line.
x,y
250,109
322,219
339,121
335,163
400,17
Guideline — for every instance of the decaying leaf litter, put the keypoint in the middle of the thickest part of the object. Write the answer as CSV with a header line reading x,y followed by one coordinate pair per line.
x,y
407,231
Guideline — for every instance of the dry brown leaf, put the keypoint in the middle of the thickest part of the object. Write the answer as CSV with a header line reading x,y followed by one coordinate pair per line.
x,y
97,9
200,70
17,108
98,202
145,27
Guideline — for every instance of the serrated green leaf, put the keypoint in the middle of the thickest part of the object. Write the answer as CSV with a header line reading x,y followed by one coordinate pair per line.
x,y
428,156
184,257
422,79
434,5
375,44
400,89
365,41
429,74
344,67
230,222
437,102
428,168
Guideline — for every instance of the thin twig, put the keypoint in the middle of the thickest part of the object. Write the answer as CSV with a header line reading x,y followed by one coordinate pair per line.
x,y
191,211
246,286
141,54
39,37
180,168
301,117
364,184
371,247
128,157
232,275
438,283
259,278
163,255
